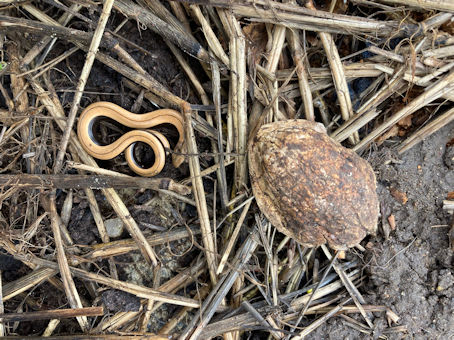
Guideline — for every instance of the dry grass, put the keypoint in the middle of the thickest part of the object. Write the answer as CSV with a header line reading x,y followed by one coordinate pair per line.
x,y
242,64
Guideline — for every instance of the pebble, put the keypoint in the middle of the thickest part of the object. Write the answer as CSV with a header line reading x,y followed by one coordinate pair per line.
x,y
114,227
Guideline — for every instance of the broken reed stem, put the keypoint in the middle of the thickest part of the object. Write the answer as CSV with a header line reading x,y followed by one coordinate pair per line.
x,y
222,178
140,291
317,323
70,288
52,314
220,290
351,288
144,80
298,58
199,194
368,110
61,181
427,130
97,216
169,326
294,16
233,238
41,45
210,36
440,5
443,86
186,42
240,95
37,276
2,308
115,248
340,83
91,54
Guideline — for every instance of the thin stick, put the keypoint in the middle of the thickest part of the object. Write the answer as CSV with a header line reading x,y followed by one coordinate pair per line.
x,y
37,48
427,130
2,308
210,36
199,195
442,87
351,288
320,321
68,282
11,289
140,291
96,212
91,181
186,42
233,238
115,248
97,36
441,5
337,70
216,77
298,58
209,306
52,314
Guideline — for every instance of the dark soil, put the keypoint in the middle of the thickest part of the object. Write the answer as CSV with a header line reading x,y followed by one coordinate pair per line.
x,y
411,270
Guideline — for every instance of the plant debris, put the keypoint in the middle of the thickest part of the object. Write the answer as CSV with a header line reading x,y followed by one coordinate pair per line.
x,y
197,258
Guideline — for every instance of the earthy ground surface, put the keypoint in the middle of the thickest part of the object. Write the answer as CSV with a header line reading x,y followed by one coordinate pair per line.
x,y
411,270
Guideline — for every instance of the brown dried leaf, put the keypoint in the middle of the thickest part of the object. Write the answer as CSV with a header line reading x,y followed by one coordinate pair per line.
x,y
392,222
399,195
257,38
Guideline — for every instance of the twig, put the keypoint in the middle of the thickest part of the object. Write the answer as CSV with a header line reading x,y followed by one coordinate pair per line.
x,y
442,87
352,290
216,77
185,42
233,238
13,288
298,58
141,291
294,16
115,248
209,306
92,181
320,321
199,194
340,83
52,314
441,5
427,130
68,282
96,212
91,54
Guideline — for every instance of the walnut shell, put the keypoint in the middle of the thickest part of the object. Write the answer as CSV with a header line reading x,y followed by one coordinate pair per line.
x,y
310,187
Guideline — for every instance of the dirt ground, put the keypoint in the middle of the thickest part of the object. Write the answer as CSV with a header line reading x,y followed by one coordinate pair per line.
x,y
411,270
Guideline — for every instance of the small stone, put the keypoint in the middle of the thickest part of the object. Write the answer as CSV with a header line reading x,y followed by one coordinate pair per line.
x,y
119,301
114,227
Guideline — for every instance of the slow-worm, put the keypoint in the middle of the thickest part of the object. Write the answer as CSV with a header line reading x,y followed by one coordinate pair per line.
x,y
142,123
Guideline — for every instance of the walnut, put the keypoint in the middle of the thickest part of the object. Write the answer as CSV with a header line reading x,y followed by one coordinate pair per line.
x,y
310,187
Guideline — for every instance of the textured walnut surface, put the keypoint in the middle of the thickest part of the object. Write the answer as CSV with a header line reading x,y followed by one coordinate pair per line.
x,y
311,187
